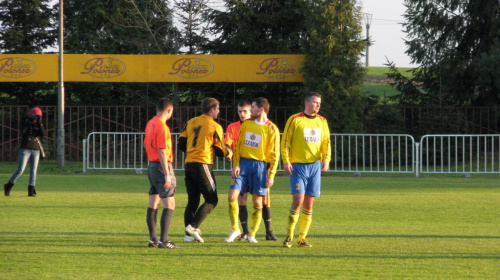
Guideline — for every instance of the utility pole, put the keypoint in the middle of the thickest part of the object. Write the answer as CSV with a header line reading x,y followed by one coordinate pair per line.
x,y
60,92
368,21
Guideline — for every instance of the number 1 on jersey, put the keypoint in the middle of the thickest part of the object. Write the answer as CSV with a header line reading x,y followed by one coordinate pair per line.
x,y
196,132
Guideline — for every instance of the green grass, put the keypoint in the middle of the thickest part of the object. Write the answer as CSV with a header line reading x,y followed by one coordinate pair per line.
x,y
92,226
382,71
382,90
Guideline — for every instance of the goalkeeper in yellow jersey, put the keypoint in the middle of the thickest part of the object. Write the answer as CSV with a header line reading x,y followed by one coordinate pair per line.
x,y
256,156
306,152
201,139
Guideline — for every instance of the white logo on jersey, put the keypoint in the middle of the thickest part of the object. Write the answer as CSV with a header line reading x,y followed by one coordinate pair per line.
x,y
252,139
312,135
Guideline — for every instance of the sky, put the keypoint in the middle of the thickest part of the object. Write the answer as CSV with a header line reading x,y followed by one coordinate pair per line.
x,y
386,32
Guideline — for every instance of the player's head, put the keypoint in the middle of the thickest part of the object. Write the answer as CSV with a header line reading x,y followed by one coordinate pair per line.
x,y
166,107
244,108
312,103
259,105
210,107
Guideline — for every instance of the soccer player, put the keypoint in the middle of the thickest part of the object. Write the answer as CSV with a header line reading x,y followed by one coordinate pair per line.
x,y
230,139
158,145
200,139
306,152
255,161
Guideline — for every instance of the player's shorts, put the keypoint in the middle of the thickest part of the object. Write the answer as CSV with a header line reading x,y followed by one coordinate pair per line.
x,y
200,179
306,178
156,178
252,178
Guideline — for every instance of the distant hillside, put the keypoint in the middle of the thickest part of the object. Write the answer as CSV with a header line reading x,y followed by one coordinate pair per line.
x,y
379,74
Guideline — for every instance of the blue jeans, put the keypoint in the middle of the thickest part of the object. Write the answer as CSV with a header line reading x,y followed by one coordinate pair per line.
x,y
24,155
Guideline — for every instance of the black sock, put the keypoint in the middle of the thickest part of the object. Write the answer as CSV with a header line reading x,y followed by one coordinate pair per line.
x,y
244,218
151,221
166,218
202,213
266,216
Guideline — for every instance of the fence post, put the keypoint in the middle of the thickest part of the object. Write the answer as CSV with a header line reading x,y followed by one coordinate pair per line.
x,y
84,157
417,159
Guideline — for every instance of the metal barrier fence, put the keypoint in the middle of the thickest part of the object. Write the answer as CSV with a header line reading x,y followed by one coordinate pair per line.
x,y
350,153
356,153
460,153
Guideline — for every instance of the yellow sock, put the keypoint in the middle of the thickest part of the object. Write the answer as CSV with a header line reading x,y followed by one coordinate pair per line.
x,y
256,219
293,218
234,211
305,223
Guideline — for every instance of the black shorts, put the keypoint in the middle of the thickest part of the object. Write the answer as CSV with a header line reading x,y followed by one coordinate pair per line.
x,y
156,178
200,179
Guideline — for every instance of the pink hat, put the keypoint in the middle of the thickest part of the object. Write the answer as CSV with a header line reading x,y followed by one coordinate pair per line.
x,y
35,111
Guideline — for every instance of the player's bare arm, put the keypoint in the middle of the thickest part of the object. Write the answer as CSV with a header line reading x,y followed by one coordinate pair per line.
x,y
163,154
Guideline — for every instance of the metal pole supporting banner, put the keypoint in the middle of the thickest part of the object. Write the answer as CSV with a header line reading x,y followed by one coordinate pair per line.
x,y
60,93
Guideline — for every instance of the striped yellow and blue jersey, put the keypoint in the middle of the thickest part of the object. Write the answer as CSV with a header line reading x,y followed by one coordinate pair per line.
x,y
306,139
258,141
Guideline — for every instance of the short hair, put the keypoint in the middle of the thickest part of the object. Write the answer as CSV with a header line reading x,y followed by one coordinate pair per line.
x,y
310,95
262,102
164,103
244,103
209,103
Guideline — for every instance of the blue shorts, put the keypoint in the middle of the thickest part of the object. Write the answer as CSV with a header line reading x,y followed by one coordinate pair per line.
x,y
252,178
306,178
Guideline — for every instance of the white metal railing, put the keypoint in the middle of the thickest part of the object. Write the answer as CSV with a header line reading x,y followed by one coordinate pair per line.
x,y
114,150
357,153
460,153
125,150
350,153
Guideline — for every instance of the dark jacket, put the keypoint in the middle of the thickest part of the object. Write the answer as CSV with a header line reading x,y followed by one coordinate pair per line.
x,y
31,128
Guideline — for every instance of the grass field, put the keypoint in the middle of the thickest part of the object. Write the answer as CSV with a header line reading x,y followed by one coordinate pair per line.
x,y
382,71
380,89
92,226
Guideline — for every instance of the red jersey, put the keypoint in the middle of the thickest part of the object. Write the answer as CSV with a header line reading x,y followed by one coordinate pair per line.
x,y
232,132
157,136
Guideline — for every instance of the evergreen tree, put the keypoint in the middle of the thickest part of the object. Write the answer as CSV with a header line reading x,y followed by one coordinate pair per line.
x,y
119,27
456,44
260,27
332,65
193,28
26,28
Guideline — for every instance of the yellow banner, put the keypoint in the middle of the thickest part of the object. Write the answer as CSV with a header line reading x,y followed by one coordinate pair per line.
x,y
152,68
29,68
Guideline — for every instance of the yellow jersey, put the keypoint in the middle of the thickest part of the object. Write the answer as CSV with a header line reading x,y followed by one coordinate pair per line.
x,y
200,139
258,141
306,139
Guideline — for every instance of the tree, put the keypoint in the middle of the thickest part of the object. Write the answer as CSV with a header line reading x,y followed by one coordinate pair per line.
x,y
332,65
260,27
26,27
456,45
191,14
119,27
